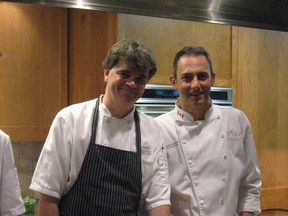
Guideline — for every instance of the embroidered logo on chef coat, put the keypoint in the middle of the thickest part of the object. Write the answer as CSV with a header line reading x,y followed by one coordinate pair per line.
x,y
233,134
146,150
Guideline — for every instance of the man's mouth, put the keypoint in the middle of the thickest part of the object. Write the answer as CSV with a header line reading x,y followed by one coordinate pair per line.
x,y
196,94
130,91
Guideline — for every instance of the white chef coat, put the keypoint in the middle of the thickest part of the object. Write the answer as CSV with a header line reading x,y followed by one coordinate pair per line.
x,y
11,202
212,163
68,139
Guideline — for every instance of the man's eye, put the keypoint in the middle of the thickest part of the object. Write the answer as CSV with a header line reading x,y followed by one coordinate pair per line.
x,y
142,80
124,75
202,76
187,78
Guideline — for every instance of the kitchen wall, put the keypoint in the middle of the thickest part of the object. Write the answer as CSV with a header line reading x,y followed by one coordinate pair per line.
x,y
252,61
166,36
26,156
33,69
260,80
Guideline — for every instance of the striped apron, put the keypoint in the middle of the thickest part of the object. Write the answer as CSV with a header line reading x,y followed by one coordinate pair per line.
x,y
109,182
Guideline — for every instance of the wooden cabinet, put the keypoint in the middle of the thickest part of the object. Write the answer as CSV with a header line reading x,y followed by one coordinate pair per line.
x,y
91,34
165,37
50,60
260,81
33,69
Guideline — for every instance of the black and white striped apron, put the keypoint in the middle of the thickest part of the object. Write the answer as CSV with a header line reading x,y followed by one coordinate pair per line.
x,y
109,182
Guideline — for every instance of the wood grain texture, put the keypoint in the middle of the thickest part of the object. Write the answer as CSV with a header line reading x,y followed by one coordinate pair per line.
x,y
165,37
260,81
33,71
91,34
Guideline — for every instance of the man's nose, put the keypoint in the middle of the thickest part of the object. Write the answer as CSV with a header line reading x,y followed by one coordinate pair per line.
x,y
131,83
195,83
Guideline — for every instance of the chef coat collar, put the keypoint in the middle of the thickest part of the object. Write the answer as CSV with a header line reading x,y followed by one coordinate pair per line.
x,y
181,115
104,112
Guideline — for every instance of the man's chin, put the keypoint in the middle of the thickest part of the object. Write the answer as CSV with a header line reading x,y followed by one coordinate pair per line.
x,y
197,104
196,101
131,99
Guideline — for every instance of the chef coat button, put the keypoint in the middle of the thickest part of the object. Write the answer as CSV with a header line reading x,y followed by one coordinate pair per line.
x,y
202,202
225,157
107,120
218,116
184,141
222,201
196,183
190,162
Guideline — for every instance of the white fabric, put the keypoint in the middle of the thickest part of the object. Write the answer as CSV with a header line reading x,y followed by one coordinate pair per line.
x,y
68,139
212,163
11,202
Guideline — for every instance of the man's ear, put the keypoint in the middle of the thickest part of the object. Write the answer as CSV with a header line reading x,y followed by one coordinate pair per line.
x,y
213,79
106,73
173,82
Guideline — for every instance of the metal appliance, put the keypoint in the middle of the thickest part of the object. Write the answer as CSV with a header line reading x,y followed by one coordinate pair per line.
x,y
267,14
159,99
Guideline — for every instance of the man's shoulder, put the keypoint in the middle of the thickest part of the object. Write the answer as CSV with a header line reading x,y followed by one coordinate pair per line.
x,y
146,119
231,113
153,123
166,120
166,117
76,113
4,138
227,110
78,108
3,134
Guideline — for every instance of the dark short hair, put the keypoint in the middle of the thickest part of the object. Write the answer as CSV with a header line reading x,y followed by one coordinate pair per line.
x,y
136,54
191,50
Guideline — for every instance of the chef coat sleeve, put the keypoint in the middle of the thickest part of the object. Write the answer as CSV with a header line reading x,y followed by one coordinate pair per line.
x,y
156,190
11,202
250,184
52,170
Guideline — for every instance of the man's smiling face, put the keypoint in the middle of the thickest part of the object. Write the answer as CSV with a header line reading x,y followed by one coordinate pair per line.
x,y
193,82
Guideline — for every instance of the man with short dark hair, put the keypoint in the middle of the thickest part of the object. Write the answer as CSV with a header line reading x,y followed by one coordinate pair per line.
x,y
103,157
211,154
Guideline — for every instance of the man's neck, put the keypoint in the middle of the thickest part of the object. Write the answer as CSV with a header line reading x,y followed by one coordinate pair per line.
x,y
198,113
116,110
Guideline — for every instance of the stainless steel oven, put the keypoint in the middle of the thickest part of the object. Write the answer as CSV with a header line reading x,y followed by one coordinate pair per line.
x,y
159,99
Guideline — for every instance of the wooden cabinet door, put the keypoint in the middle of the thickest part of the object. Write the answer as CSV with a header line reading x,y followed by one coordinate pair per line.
x,y
33,69
260,81
91,34
165,37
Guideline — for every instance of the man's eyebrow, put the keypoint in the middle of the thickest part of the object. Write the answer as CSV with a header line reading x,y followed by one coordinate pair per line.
x,y
124,70
186,74
143,76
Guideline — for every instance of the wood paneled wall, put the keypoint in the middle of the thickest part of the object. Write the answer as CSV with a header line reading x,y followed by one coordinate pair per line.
x,y
33,70
165,37
260,81
91,34
52,58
